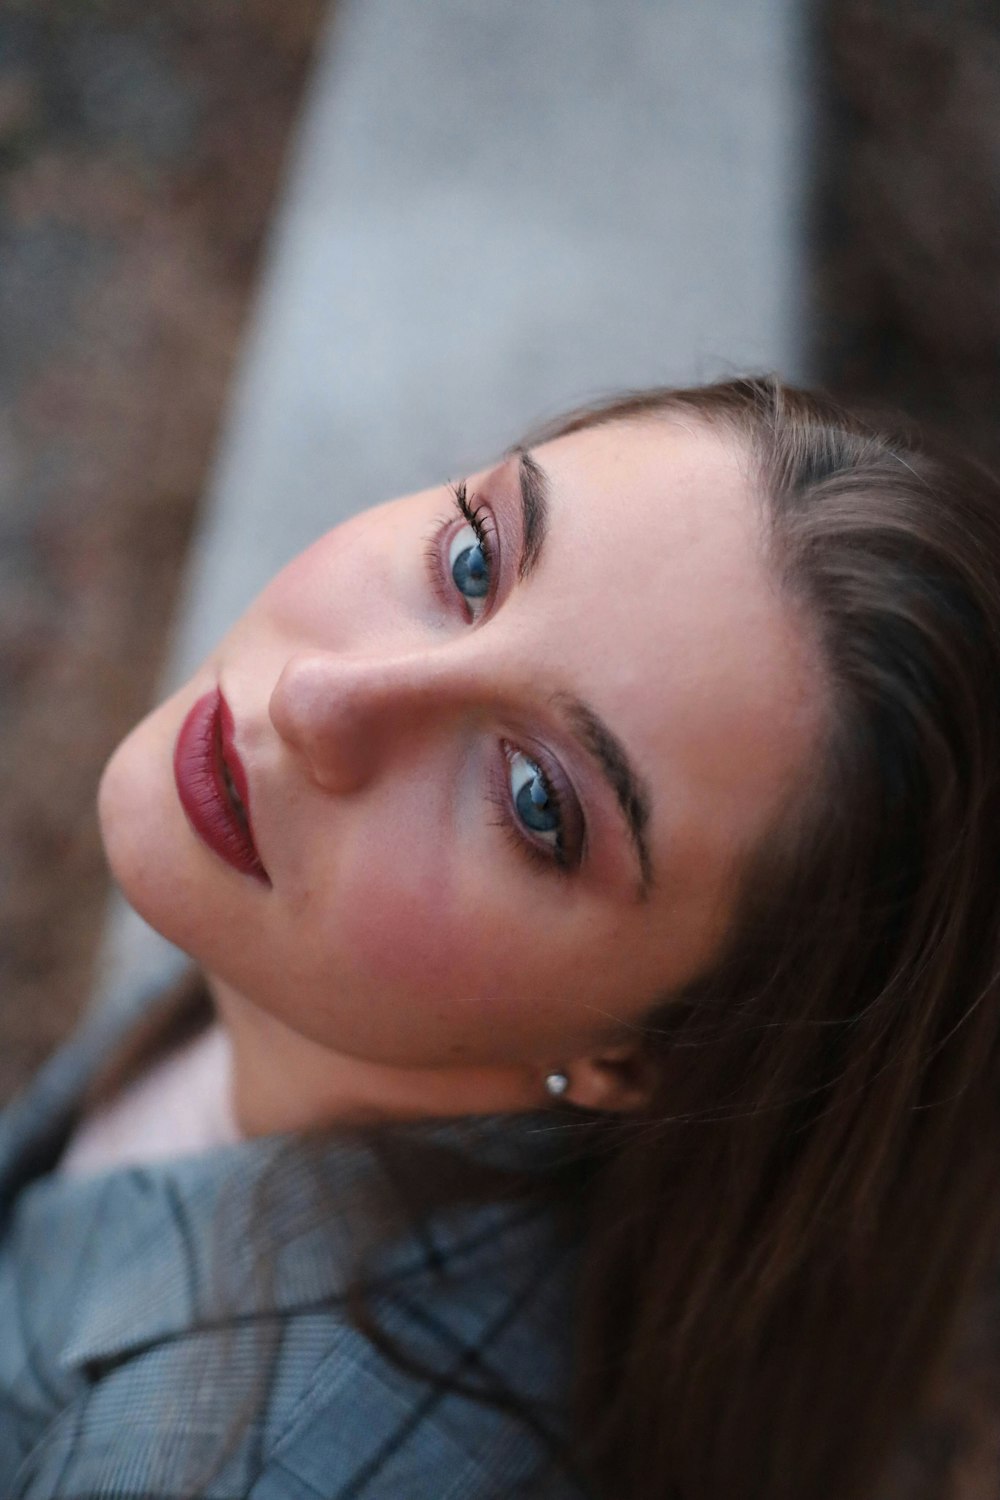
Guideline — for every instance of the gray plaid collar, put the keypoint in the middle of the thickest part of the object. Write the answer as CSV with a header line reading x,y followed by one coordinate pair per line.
x,y
149,1240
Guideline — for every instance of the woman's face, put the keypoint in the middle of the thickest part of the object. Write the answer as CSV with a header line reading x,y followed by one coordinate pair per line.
x,y
500,784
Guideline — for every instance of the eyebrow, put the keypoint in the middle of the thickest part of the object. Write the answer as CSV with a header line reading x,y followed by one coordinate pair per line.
x,y
534,484
630,789
601,743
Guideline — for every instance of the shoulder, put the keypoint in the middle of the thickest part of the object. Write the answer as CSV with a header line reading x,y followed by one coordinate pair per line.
x,y
434,1417
447,1378
309,1404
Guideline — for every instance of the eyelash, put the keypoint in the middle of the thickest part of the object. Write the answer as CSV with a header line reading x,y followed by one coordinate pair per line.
x,y
474,515
551,858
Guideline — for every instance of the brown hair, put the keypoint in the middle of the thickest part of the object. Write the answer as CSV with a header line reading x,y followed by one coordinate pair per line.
x,y
778,1249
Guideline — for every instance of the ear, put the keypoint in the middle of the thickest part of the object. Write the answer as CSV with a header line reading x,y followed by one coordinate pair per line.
x,y
617,1079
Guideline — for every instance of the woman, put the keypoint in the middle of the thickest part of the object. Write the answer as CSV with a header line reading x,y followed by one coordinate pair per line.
x,y
593,873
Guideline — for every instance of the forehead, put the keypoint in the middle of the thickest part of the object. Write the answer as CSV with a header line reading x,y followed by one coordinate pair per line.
x,y
680,634
688,483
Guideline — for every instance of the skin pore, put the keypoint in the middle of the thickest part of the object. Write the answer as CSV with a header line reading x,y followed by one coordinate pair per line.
x,y
504,749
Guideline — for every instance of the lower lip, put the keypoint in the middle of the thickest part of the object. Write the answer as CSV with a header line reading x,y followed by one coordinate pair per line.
x,y
203,754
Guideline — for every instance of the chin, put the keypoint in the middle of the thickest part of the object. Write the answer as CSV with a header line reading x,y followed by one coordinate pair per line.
x,y
147,843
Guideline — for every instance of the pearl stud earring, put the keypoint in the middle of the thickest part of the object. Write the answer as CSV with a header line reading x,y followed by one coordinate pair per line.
x,y
556,1084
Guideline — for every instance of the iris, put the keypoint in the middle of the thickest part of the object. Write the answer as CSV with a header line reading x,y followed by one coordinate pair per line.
x,y
470,570
536,807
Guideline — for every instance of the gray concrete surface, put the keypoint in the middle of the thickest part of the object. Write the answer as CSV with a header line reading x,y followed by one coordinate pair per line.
x,y
494,212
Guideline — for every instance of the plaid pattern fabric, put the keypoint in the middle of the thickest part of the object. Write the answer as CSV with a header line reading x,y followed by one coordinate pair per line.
x,y
149,1352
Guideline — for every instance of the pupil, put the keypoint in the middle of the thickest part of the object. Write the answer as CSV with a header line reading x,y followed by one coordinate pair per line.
x,y
470,572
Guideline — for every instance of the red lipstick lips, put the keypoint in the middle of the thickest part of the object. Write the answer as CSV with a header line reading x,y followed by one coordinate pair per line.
x,y
212,785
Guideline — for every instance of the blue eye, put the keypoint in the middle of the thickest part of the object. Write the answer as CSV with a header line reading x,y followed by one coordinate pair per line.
x,y
534,800
540,810
470,568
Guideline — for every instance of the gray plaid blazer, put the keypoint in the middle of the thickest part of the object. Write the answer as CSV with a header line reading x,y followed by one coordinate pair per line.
x,y
149,1352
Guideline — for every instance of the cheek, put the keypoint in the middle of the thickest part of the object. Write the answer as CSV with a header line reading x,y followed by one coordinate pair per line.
x,y
299,598
459,974
405,930
426,967
322,584
346,587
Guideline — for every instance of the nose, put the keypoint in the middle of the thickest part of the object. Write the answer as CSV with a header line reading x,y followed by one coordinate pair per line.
x,y
344,714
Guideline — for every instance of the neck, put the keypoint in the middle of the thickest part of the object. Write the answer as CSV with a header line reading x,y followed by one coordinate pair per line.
x,y
284,1081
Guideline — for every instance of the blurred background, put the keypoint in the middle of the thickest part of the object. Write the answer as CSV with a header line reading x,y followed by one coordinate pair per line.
x,y
141,150
264,262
